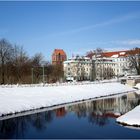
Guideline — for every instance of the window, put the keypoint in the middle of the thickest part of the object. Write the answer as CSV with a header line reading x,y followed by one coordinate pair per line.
x,y
59,56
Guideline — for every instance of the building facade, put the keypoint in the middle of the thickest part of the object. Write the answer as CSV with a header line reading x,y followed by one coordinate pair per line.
x,y
112,64
107,65
58,57
78,68
104,68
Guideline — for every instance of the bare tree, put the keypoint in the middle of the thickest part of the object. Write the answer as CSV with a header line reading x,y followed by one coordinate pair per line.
x,y
83,73
134,59
98,52
21,65
49,71
75,68
98,63
5,55
109,73
57,72
37,60
16,66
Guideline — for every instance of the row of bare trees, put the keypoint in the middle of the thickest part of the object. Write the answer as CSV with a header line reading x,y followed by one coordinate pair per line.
x,y
134,58
17,67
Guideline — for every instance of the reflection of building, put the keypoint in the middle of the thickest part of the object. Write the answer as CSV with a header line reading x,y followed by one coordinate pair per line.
x,y
78,68
60,112
58,57
109,107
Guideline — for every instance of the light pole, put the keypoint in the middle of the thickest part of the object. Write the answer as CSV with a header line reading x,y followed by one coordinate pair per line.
x,y
43,74
32,74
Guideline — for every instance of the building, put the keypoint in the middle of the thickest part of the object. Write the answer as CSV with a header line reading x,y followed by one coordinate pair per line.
x,y
112,64
78,68
104,68
58,57
130,80
105,65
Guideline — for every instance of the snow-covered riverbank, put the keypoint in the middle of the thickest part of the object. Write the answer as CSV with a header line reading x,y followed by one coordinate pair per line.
x,y
131,118
17,99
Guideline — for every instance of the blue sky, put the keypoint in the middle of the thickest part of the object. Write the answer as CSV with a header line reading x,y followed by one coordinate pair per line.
x,y
76,27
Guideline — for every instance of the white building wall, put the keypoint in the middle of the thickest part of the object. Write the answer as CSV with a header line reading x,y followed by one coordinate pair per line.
x,y
83,68
119,65
79,68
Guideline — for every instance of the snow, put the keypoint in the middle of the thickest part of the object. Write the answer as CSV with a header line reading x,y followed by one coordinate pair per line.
x,y
17,99
138,86
115,55
131,118
122,53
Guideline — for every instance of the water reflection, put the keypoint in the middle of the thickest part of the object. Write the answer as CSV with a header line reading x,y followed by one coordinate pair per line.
x,y
98,111
17,127
112,107
95,112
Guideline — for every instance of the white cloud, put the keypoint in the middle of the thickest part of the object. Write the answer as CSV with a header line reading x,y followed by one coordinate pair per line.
x,y
131,42
115,20
116,45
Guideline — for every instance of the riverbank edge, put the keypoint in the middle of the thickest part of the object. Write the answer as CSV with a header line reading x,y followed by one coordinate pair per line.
x,y
42,109
120,120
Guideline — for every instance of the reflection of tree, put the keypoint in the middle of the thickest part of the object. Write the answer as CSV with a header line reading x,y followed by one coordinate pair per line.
x,y
7,128
97,119
49,115
39,121
22,126
16,126
81,110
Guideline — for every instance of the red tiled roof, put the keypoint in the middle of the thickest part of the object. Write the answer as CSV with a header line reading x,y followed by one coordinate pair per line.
x,y
117,53
59,51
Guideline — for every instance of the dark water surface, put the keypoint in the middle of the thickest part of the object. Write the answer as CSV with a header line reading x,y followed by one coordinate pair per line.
x,y
91,119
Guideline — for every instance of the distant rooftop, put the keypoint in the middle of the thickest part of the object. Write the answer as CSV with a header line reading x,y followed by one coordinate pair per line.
x,y
59,51
114,54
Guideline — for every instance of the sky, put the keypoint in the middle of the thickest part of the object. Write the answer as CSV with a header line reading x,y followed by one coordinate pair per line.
x,y
75,27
